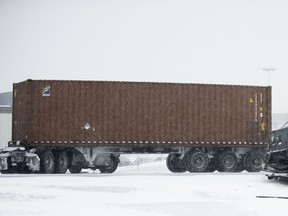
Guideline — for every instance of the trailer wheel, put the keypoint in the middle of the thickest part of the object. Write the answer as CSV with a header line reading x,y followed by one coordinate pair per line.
x,y
61,162
111,167
76,162
197,161
22,168
227,161
174,164
75,169
47,162
253,161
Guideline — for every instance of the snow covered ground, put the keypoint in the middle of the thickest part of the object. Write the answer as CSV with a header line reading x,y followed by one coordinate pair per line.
x,y
145,190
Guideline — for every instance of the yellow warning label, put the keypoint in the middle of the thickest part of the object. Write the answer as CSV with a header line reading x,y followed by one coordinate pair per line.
x,y
251,100
262,126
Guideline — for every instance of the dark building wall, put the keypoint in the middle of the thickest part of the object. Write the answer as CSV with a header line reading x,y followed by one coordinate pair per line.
x,y
6,102
6,99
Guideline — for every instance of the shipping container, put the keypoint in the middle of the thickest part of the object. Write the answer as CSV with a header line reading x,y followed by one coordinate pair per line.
x,y
201,120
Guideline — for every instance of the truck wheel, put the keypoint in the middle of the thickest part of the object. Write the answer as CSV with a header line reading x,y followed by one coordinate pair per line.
x,y
227,161
61,162
47,162
197,161
111,167
22,168
76,162
75,169
174,164
253,161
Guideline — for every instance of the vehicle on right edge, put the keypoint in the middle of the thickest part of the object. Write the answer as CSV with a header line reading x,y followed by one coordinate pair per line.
x,y
276,163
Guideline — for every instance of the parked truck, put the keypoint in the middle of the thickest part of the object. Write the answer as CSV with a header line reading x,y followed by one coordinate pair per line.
x,y
61,125
276,163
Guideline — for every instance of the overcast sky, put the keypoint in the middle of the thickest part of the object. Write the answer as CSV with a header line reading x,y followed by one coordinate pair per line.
x,y
203,41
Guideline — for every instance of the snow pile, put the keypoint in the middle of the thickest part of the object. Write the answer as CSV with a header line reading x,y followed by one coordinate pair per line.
x,y
144,190
138,159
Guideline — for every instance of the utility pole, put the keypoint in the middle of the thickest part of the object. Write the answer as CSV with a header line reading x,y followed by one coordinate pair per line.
x,y
268,70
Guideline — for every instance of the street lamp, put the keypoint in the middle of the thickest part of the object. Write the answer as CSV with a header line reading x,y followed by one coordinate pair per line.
x,y
269,69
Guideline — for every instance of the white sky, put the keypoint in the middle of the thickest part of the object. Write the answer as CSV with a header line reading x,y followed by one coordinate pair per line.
x,y
207,41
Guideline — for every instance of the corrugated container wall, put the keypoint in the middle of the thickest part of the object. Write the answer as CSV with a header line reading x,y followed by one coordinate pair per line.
x,y
96,113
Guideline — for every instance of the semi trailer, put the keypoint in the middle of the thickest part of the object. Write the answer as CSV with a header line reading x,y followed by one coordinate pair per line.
x,y
71,125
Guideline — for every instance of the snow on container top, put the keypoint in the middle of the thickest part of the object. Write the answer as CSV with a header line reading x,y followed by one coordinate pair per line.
x,y
141,114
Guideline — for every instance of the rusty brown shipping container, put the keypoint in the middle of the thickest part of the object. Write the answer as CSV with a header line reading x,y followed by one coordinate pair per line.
x,y
61,125
100,113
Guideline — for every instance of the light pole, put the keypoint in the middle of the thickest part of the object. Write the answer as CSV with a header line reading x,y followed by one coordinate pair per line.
x,y
269,69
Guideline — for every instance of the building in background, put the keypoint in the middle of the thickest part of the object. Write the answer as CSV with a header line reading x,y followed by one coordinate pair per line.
x,y
5,118
279,120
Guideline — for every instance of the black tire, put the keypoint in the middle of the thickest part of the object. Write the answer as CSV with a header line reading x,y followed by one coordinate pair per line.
x,y
111,167
47,162
253,161
197,161
61,162
76,162
227,161
281,163
75,169
174,164
23,169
